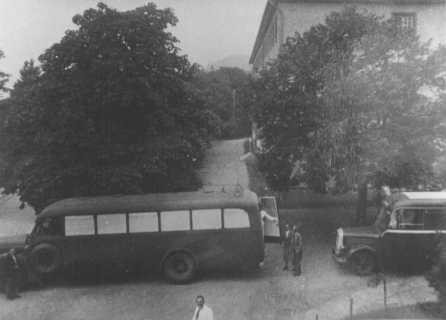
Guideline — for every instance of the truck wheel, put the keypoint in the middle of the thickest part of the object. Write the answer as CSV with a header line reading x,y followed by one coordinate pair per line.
x,y
363,262
179,267
45,258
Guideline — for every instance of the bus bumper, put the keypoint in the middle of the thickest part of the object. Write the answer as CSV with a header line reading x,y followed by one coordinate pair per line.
x,y
339,257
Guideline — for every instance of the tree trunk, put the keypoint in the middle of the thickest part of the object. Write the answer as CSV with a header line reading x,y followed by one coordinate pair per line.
x,y
361,205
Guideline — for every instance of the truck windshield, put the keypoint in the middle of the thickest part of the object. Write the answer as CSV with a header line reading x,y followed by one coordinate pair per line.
x,y
47,227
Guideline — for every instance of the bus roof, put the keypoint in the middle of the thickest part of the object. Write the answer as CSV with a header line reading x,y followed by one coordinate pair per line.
x,y
424,195
421,199
149,202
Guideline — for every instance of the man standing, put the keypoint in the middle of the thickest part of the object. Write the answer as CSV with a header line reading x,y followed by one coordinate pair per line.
x,y
265,216
296,248
202,311
12,274
383,219
286,243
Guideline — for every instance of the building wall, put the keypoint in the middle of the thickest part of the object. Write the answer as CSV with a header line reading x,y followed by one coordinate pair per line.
x,y
271,42
292,17
430,18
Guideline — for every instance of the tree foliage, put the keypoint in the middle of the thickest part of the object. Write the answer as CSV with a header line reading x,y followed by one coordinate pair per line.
x,y
350,101
3,77
111,109
226,92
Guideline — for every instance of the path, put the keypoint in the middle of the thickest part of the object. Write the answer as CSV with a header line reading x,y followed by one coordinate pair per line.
x,y
222,165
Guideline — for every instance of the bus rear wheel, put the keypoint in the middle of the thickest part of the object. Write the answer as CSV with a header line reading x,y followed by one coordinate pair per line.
x,y
179,267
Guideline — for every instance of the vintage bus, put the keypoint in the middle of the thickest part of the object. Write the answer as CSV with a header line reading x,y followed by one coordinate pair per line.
x,y
176,233
404,240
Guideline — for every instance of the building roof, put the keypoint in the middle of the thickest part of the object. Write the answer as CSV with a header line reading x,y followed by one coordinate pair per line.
x,y
271,6
150,202
268,13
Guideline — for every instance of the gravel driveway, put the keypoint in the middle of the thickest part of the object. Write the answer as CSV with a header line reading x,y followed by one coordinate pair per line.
x,y
271,293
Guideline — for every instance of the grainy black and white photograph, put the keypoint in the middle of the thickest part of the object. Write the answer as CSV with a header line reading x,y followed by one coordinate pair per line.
x,y
222,159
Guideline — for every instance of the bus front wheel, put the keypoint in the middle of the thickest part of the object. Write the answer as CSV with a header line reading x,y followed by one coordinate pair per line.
x,y
179,267
45,259
363,262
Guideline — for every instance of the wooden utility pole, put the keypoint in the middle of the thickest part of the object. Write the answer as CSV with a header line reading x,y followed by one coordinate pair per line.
x,y
234,104
361,206
351,308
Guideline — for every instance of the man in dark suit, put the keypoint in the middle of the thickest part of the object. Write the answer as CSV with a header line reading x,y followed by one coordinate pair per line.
x,y
11,274
286,243
297,249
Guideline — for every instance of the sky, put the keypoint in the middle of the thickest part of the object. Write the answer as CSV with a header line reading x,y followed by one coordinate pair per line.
x,y
208,30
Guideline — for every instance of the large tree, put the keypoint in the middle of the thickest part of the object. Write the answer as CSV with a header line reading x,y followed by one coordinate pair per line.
x,y
111,109
350,101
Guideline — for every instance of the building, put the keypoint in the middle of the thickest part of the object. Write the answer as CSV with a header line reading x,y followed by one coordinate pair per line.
x,y
282,18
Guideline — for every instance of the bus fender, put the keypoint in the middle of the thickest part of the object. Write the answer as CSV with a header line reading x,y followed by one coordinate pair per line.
x,y
173,251
45,258
362,248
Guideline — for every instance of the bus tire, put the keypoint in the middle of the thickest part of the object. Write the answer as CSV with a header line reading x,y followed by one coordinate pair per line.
x,y
179,267
45,258
363,262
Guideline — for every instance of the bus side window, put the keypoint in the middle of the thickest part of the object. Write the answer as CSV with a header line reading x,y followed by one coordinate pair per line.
x,y
412,219
206,219
435,219
143,222
112,223
79,225
175,220
235,218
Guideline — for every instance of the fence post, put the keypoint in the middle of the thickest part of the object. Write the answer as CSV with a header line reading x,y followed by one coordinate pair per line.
x,y
351,308
385,292
317,316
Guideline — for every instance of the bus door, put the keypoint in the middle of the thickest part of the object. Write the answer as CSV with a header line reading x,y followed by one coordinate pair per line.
x,y
271,229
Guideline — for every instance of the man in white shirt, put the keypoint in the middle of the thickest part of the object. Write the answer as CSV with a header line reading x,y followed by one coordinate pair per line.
x,y
202,311
265,216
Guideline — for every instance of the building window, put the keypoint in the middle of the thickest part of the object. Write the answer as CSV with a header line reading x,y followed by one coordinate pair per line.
x,y
275,31
405,21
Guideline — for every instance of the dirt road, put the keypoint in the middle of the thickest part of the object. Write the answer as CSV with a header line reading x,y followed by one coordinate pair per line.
x,y
271,293
222,165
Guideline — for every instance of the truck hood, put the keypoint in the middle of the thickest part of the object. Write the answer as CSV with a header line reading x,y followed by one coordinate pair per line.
x,y
368,231
9,242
